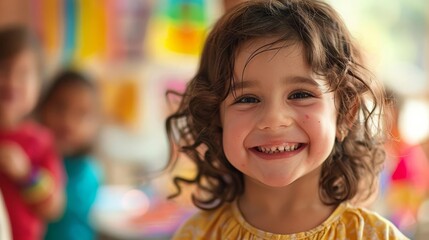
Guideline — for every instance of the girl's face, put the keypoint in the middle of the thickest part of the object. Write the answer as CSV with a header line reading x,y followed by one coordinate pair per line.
x,y
280,124
71,113
19,87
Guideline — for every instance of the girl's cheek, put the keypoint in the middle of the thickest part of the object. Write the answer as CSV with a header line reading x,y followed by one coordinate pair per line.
x,y
306,118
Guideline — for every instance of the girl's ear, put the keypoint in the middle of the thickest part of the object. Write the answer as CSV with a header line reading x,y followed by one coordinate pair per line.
x,y
347,121
341,134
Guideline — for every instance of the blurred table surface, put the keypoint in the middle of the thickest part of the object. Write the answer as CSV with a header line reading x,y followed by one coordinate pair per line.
x,y
125,212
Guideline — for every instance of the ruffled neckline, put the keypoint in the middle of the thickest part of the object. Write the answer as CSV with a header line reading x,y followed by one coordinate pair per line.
x,y
336,214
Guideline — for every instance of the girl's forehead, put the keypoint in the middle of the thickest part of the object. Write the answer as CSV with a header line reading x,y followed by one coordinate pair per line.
x,y
255,56
270,45
266,49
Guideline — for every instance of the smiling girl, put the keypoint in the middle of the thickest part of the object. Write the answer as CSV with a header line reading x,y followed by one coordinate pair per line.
x,y
281,122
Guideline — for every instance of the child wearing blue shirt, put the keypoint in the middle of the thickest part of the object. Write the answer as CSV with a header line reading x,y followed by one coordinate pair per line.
x,y
70,109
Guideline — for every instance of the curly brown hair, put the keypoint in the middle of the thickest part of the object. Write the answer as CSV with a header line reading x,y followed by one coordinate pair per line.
x,y
195,128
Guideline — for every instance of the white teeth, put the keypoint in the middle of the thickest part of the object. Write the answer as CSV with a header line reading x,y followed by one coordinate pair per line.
x,y
277,149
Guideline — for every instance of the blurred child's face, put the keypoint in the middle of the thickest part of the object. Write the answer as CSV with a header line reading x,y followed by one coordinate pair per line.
x,y
19,87
282,123
71,113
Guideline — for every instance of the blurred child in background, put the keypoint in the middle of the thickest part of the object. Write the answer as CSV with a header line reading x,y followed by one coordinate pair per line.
x,y
30,172
408,168
70,109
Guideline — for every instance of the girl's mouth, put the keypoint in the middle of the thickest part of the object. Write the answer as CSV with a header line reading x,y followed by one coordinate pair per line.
x,y
278,148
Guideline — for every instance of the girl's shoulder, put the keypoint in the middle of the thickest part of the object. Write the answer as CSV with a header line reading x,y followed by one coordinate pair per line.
x,y
370,224
207,224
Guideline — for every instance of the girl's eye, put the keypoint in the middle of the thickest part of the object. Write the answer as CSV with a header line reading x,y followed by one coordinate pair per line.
x,y
300,95
247,100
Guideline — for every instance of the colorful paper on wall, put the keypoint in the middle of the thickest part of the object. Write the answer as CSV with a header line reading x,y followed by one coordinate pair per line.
x,y
70,27
91,33
112,30
35,18
179,26
127,21
77,30
121,100
51,30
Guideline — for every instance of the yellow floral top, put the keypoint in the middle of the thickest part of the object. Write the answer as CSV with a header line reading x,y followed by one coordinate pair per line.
x,y
346,222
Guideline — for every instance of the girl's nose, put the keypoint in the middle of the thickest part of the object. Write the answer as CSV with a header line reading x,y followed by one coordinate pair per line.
x,y
275,116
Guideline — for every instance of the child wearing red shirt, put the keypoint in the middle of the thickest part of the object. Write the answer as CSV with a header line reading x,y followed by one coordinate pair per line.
x,y
31,176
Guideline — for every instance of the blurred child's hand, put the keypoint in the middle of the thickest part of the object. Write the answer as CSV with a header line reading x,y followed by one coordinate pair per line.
x,y
14,161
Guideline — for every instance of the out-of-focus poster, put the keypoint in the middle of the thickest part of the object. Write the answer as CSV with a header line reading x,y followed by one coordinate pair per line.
x,y
91,31
126,32
120,99
178,26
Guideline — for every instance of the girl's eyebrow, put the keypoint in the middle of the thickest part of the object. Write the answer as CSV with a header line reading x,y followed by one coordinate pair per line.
x,y
244,84
301,80
292,80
